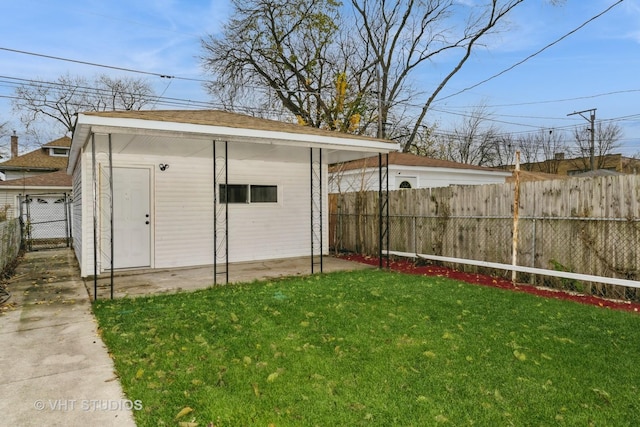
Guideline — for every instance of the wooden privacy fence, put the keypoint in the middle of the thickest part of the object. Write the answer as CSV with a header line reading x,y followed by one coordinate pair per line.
x,y
11,239
583,225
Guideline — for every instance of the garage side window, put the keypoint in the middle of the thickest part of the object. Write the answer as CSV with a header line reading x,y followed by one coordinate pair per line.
x,y
237,193
244,193
264,194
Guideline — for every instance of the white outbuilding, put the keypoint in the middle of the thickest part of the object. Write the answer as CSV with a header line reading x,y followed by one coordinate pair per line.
x,y
165,189
410,171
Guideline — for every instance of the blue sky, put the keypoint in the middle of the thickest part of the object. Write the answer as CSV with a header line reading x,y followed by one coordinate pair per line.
x,y
597,67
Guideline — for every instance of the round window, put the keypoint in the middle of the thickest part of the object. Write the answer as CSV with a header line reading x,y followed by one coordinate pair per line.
x,y
405,184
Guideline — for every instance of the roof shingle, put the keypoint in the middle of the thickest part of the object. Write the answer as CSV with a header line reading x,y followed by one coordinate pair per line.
x,y
53,179
407,159
39,159
225,119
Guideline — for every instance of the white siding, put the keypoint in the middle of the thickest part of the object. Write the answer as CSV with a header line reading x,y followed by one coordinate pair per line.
x,y
358,180
263,231
182,211
446,177
355,180
76,214
9,200
83,202
183,222
10,175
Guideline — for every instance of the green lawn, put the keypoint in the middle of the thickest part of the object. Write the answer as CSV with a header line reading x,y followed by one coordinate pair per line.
x,y
373,348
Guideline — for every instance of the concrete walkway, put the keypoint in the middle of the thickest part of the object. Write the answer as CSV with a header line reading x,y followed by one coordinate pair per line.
x,y
54,368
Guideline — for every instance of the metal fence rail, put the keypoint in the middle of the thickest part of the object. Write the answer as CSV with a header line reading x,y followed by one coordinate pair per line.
x,y
45,221
607,247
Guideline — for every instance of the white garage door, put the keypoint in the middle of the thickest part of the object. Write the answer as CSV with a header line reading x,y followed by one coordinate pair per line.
x,y
45,218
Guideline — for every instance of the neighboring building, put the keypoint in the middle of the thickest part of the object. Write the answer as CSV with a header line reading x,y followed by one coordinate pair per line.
x,y
51,157
39,172
527,176
563,166
201,187
410,171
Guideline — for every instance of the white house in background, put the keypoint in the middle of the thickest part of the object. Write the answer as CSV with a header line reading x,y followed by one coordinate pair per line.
x,y
37,172
409,171
200,187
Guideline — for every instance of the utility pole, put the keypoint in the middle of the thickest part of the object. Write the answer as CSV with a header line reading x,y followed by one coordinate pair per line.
x,y
592,120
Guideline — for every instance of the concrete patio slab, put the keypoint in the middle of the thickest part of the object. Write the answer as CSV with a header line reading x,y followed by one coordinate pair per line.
x,y
146,282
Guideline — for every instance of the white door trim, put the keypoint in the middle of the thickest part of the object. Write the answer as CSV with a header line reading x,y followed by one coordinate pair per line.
x,y
151,228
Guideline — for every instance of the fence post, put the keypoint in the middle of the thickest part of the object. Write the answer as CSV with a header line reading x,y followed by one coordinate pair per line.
x,y
415,235
533,260
516,206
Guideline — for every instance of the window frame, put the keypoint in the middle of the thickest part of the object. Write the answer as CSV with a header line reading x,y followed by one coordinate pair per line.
x,y
263,186
61,152
223,194
249,198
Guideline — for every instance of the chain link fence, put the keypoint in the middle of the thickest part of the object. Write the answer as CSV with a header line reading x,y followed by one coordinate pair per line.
x,y
45,221
608,247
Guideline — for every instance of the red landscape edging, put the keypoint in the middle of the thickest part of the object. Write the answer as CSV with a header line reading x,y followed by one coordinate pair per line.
x,y
409,267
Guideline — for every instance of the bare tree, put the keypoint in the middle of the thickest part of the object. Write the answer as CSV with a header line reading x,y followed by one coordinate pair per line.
x,y
606,141
295,52
61,100
472,141
122,93
285,50
553,148
426,143
542,151
4,131
407,34
505,147
529,150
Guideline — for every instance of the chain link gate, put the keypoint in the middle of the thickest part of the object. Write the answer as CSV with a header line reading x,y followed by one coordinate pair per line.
x,y
45,220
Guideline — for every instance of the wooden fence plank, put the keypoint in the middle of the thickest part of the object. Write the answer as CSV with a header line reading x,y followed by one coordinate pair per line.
x,y
586,225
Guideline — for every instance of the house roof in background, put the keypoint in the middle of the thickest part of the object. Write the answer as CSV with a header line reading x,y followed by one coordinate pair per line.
x,y
227,119
64,142
38,159
527,176
598,172
407,159
53,179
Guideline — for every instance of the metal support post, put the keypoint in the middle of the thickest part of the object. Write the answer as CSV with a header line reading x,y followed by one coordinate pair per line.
x,y
220,212
94,184
383,213
317,203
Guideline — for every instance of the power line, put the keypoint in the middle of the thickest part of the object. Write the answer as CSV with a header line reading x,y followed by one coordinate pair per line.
x,y
553,101
93,64
533,54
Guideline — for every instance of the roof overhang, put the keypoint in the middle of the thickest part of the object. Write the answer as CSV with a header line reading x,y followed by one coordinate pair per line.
x,y
461,170
338,148
36,187
426,169
28,169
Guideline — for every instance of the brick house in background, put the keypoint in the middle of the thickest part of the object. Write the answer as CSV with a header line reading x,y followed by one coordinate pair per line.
x,y
576,166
